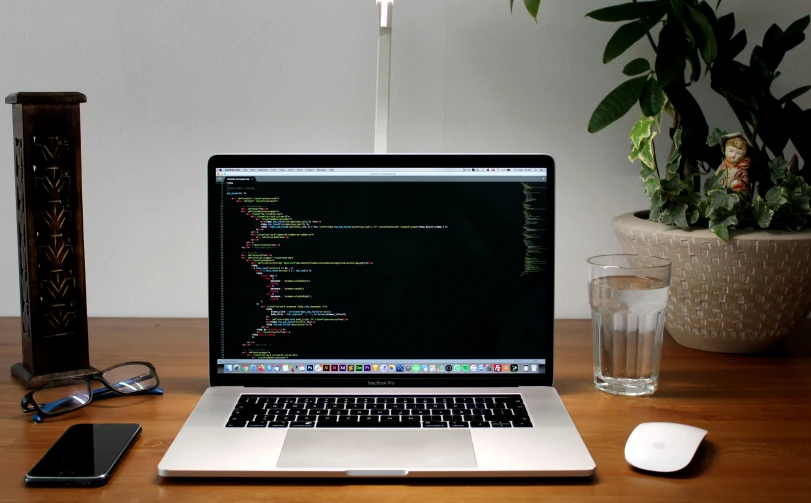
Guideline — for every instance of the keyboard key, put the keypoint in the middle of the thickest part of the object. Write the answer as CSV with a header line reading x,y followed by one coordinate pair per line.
x,y
277,424
344,399
247,399
466,399
435,406
386,399
355,406
406,424
375,406
325,400
434,424
458,424
332,419
309,399
500,425
287,399
444,399
302,424
335,406
479,424
423,399
361,412
392,406
306,418
257,424
318,412
404,400
236,424
389,419
522,424
379,412
296,406
369,419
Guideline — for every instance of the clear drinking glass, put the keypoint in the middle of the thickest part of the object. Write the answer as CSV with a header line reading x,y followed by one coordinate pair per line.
x,y
628,295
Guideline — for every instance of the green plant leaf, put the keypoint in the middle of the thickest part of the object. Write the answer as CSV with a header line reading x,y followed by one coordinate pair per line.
x,y
779,169
694,216
626,36
674,186
678,9
642,130
763,215
720,225
713,182
532,7
511,5
645,171
776,198
719,4
652,100
652,186
736,45
657,199
636,67
794,94
670,62
722,199
655,213
709,46
674,161
715,137
617,103
794,34
680,216
647,154
630,11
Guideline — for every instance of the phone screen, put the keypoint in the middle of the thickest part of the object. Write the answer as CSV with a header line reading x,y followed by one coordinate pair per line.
x,y
86,454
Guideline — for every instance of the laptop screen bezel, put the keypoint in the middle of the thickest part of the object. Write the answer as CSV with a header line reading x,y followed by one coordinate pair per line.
x,y
221,161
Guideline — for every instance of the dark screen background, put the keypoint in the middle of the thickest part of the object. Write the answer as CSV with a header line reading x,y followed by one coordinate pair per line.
x,y
458,291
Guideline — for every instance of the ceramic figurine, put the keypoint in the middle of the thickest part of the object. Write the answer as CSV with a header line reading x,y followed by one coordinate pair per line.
x,y
736,162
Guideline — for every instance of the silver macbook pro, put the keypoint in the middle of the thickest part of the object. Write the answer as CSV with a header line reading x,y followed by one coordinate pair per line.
x,y
380,316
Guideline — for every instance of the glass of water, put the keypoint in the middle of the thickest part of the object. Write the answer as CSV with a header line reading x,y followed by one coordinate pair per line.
x,y
628,296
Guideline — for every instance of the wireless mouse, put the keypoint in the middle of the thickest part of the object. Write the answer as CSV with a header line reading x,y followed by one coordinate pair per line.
x,y
663,447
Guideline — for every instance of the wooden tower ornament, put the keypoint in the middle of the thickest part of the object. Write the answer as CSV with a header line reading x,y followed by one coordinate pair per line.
x,y
48,175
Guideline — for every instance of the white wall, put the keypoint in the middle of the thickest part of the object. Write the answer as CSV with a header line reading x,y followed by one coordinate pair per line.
x,y
171,82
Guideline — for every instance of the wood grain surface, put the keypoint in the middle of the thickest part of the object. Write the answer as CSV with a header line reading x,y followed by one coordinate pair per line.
x,y
757,410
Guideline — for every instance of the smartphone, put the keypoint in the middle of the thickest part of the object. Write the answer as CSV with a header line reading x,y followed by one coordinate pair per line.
x,y
85,455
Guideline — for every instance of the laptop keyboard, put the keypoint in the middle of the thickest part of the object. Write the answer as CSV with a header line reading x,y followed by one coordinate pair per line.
x,y
416,411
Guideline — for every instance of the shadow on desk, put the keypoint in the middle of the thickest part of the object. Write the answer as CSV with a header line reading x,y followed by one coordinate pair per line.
x,y
337,482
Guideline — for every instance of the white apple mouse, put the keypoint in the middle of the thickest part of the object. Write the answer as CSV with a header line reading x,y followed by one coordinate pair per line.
x,y
663,447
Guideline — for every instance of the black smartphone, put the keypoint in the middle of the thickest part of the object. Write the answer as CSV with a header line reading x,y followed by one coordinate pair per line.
x,y
85,455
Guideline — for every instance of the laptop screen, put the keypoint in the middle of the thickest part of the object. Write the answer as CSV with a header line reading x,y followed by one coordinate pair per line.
x,y
381,272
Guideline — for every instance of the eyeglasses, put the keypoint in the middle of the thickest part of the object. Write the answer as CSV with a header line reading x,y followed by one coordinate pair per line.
x,y
66,395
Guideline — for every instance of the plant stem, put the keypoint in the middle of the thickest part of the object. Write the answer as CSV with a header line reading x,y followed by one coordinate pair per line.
x,y
650,39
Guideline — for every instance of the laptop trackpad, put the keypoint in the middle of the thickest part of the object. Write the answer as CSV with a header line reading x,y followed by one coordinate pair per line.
x,y
376,449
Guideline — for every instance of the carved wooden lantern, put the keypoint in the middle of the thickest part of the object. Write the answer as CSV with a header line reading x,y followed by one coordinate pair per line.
x,y
48,173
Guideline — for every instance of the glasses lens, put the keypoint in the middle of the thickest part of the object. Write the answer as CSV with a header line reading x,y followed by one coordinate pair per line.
x,y
131,378
63,396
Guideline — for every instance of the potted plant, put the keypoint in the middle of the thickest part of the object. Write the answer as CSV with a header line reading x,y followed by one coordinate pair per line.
x,y
729,210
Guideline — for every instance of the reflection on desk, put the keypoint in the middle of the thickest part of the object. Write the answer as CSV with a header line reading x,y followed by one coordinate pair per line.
x,y
757,410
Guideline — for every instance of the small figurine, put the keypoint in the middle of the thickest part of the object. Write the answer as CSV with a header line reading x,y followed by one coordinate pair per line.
x,y
736,162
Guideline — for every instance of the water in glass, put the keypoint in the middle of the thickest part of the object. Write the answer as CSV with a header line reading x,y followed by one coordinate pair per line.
x,y
628,321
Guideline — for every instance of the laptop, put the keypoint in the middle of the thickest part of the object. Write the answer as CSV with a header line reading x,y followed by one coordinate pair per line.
x,y
380,316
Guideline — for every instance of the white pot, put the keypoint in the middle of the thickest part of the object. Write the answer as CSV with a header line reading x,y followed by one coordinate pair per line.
x,y
738,296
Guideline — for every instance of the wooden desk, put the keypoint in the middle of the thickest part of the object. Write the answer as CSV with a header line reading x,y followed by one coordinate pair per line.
x,y
757,410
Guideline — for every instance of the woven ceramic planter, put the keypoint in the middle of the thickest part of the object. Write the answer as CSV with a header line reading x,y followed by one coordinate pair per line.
x,y
738,296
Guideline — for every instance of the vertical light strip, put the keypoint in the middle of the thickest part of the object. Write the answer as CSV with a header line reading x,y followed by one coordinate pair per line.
x,y
385,11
